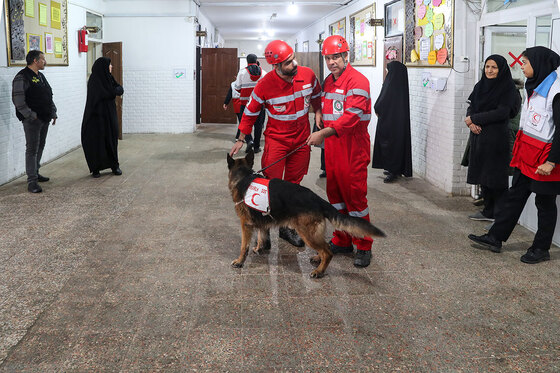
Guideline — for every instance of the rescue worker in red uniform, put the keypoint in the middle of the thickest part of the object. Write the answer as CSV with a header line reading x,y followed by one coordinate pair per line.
x,y
286,93
346,107
244,84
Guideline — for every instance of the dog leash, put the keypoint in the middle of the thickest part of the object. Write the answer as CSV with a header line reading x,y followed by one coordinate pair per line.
x,y
286,156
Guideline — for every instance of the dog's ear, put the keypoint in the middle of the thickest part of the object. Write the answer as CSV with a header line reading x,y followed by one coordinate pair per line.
x,y
250,158
230,161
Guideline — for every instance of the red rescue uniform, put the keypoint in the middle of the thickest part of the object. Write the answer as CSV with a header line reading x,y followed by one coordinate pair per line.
x,y
287,106
346,106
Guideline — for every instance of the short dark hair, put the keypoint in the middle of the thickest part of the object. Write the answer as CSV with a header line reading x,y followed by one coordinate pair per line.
x,y
252,58
32,56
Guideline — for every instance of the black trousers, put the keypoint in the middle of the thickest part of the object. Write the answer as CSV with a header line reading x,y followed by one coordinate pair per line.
x,y
512,206
491,200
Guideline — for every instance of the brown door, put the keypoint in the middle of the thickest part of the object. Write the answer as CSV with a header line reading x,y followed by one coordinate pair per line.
x,y
219,69
114,52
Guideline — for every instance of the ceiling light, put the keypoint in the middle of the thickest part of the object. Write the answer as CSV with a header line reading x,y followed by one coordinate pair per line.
x,y
259,46
270,33
293,9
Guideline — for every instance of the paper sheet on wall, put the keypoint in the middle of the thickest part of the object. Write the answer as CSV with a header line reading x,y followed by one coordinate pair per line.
x,y
58,47
42,14
30,8
55,15
439,39
424,48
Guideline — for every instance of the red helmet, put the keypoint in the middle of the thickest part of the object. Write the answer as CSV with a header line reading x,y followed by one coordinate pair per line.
x,y
334,44
277,51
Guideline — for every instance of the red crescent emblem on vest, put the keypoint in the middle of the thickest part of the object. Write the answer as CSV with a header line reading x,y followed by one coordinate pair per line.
x,y
536,118
253,199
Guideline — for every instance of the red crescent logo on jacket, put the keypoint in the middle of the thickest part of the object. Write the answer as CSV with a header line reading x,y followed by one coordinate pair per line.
x,y
536,118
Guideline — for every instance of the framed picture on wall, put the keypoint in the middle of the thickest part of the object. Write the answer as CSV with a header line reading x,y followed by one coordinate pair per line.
x,y
338,28
394,18
362,37
305,46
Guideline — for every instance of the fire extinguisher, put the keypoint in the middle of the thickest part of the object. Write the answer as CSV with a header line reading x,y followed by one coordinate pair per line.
x,y
82,40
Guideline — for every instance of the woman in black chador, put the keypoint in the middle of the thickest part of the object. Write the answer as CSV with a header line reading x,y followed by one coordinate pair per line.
x,y
392,149
100,126
493,101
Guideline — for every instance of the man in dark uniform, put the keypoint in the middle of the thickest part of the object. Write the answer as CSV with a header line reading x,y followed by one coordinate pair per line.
x,y
32,97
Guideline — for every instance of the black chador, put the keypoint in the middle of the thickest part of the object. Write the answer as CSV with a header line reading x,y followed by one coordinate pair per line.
x,y
392,149
100,126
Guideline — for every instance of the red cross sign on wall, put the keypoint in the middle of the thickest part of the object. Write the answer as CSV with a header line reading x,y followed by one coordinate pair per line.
x,y
515,59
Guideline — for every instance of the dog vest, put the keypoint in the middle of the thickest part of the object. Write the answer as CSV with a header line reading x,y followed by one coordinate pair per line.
x,y
256,196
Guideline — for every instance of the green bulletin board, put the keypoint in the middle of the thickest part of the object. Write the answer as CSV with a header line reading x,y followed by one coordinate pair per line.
x,y
37,24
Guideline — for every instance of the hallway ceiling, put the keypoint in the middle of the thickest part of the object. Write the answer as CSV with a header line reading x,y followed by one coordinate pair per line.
x,y
253,20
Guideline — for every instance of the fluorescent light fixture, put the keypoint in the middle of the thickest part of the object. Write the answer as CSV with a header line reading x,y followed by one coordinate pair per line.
x,y
270,33
259,46
293,9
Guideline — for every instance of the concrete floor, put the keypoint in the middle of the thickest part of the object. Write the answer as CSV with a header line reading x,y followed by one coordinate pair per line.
x,y
132,273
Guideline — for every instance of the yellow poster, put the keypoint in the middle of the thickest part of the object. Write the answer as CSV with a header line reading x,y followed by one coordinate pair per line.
x,y
42,14
55,15
29,8
58,47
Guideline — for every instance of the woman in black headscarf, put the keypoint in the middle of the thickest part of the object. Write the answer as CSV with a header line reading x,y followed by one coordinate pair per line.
x,y
493,101
392,147
536,153
100,126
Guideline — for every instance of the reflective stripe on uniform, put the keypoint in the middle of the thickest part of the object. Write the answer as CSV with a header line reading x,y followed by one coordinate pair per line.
x,y
359,214
339,206
288,117
257,98
358,92
334,96
250,113
331,117
289,98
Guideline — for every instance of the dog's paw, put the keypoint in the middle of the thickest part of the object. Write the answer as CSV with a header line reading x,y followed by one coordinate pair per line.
x,y
237,263
315,260
316,274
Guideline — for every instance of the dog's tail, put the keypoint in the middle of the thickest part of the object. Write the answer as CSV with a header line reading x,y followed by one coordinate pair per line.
x,y
355,226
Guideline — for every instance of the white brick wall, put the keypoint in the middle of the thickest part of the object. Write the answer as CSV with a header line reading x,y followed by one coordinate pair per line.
x,y
155,101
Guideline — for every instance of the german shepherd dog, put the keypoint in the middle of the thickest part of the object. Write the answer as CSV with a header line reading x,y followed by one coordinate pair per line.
x,y
290,205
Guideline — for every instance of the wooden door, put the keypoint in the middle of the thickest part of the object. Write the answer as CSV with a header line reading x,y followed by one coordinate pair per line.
x,y
219,67
114,52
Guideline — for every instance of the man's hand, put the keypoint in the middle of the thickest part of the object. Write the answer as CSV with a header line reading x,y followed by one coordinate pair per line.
x,y
236,147
319,119
225,107
468,121
545,169
316,138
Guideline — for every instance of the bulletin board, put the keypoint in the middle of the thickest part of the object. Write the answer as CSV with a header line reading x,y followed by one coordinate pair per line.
x,y
338,28
37,24
362,37
429,33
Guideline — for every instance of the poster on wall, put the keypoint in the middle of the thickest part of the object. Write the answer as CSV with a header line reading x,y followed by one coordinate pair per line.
x,y
429,33
392,51
394,18
338,28
34,25
362,37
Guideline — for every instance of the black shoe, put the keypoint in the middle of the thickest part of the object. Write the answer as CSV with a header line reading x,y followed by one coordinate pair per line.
x,y
42,178
386,173
362,258
390,178
95,174
488,242
291,236
534,256
323,174
249,147
117,171
257,150
34,188
335,249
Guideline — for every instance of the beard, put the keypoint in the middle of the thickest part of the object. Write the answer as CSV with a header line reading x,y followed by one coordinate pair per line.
x,y
291,73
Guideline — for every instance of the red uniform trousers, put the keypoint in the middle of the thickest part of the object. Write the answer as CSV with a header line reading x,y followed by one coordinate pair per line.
x,y
346,161
294,167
